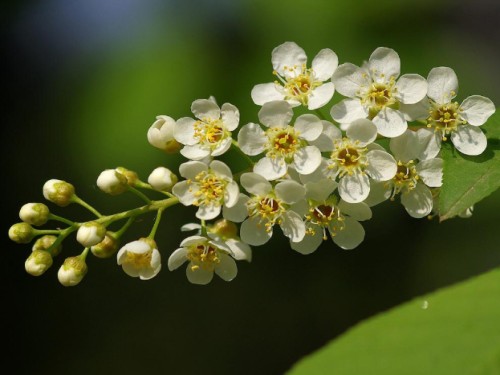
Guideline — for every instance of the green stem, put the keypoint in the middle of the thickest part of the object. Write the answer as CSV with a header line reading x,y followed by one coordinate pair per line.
x,y
40,232
82,203
156,224
61,219
236,147
124,228
62,235
143,185
84,254
139,194
203,228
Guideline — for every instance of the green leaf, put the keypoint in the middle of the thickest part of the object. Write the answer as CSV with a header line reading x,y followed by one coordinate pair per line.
x,y
469,179
455,330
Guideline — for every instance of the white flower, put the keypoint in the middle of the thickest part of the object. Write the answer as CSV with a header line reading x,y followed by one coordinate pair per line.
x,y
162,179
374,91
268,206
324,213
296,83
90,233
413,178
112,182
447,118
210,134
161,134
355,160
140,258
284,145
207,186
205,256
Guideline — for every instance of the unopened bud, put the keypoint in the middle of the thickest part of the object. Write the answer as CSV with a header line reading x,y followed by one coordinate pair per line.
x,y
161,135
72,271
90,233
131,176
107,247
45,243
34,213
58,192
38,262
224,229
162,179
112,182
21,233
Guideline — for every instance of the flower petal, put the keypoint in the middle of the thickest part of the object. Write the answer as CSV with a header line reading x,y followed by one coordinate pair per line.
x,y
255,184
381,165
288,56
205,109
276,113
406,147
442,85
430,143
177,258
184,131
221,170
240,250
271,168
307,159
431,172
379,192
208,211
189,170
358,211
310,242
348,78
324,64
309,127
267,92
348,110
351,236
221,147
417,111
292,226
362,130
320,190
185,192
230,116
354,188
418,202
253,232
238,212
386,62
320,96
411,88
198,276
195,152
226,269
325,140
390,123
252,139
231,194
477,109
289,191
469,140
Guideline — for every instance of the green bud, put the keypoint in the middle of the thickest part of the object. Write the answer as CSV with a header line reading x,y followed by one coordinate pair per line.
x,y
34,213
72,271
58,192
45,243
38,262
131,176
21,233
107,247
112,182
224,229
90,233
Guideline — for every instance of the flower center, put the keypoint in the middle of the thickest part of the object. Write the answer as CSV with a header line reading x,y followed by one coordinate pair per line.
x,y
139,261
379,94
211,189
203,256
348,156
298,86
324,215
406,178
283,142
209,132
444,118
268,209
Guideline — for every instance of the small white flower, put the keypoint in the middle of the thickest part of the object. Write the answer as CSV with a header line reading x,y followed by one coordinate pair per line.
x,y
268,206
296,83
325,213
205,256
140,258
355,160
210,134
285,145
112,182
374,91
207,186
447,118
161,134
90,233
162,179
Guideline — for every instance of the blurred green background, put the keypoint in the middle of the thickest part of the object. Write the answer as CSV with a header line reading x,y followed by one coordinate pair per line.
x,y
84,80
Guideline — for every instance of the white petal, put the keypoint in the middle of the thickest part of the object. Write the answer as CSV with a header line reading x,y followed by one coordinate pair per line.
x,y
358,211
185,192
191,169
193,240
381,165
418,202
320,190
385,61
431,172
406,147
252,139
477,109
221,170
469,140
348,110
288,55
310,242
276,113
231,194
230,116
390,123
379,192
442,85
307,159
195,152
184,131
226,269
240,250
290,191
190,226
348,78
208,211
430,143
238,212
255,184
292,226
266,92
320,96
354,188
325,141
324,64
411,88
271,168
417,111
205,109
362,130
309,127
177,258
198,276
351,236
222,147
254,233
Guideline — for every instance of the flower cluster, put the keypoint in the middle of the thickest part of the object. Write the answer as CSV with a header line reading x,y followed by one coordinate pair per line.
x,y
313,177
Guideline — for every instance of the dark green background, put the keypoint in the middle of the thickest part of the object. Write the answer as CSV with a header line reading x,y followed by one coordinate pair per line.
x,y
83,82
